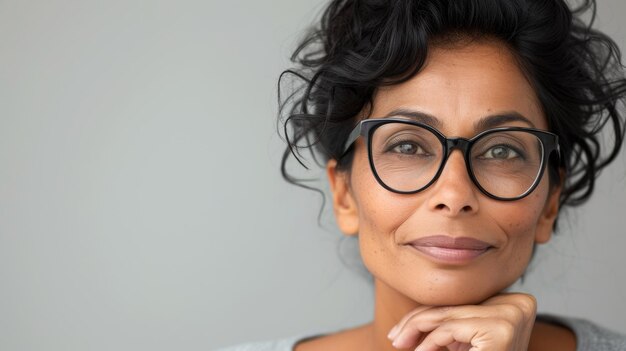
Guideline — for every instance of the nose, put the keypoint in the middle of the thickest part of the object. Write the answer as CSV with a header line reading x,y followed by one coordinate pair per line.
x,y
453,193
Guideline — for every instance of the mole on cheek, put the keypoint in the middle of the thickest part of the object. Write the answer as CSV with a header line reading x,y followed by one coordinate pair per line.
x,y
513,225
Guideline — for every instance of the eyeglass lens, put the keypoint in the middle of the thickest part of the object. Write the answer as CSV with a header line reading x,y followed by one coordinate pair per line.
x,y
407,157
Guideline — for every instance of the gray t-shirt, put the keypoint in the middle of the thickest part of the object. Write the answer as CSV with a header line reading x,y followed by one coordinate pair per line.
x,y
589,337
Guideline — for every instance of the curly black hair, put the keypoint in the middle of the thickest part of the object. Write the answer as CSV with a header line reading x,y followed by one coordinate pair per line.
x,y
360,45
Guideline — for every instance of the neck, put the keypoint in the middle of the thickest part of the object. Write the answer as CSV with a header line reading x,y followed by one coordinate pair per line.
x,y
390,306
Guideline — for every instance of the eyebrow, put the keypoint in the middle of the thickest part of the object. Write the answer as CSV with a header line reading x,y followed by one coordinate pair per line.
x,y
417,116
484,123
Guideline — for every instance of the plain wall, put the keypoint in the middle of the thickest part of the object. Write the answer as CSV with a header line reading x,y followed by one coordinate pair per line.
x,y
141,204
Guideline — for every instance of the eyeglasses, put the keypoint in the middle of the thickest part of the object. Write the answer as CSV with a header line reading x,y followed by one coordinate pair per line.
x,y
407,156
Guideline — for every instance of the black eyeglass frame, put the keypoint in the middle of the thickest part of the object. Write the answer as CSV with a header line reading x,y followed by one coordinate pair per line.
x,y
549,142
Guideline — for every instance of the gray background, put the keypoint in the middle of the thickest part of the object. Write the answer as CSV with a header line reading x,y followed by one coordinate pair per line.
x,y
141,206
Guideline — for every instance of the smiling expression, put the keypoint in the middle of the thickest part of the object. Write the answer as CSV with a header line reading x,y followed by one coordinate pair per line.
x,y
467,246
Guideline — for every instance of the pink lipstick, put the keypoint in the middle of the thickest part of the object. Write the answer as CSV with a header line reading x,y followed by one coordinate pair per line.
x,y
450,250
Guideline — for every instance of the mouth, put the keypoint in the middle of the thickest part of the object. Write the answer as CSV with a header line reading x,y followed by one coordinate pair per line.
x,y
450,250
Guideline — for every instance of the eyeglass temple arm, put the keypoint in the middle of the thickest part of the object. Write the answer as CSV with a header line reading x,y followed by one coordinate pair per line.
x,y
354,134
557,147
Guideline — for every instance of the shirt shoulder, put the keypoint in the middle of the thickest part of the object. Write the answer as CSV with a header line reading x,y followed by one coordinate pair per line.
x,y
283,344
590,336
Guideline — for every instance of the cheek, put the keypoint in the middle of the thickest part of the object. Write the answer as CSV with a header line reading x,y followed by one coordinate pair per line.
x,y
518,223
380,211
520,218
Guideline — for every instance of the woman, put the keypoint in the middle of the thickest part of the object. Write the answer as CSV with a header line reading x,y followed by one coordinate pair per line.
x,y
453,134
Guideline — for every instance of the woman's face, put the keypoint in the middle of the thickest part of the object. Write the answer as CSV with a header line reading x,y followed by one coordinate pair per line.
x,y
459,86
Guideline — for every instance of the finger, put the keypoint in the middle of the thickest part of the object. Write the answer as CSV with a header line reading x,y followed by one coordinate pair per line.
x,y
475,334
513,308
458,346
525,302
429,319
426,320
398,327
517,309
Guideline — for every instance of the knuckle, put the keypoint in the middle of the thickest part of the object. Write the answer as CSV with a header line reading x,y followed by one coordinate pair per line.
x,y
527,304
514,313
506,329
444,309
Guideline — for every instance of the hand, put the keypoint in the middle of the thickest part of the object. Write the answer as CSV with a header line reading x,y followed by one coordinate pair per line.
x,y
501,323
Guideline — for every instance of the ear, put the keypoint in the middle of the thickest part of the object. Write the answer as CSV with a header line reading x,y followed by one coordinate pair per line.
x,y
550,211
344,206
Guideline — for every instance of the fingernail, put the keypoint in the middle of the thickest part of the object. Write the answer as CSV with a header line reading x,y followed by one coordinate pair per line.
x,y
393,332
395,343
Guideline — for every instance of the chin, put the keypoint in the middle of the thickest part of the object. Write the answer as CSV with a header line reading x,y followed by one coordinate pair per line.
x,y
453,299
449,293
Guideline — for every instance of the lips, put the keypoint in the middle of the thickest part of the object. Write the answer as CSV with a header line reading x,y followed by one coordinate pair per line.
x,y
451,250
461,243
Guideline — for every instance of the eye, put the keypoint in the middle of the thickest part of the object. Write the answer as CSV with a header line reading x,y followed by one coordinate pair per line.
x,y
407,148
501,152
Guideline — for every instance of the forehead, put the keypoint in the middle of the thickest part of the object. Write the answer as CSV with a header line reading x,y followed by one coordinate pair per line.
x,y
460,84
